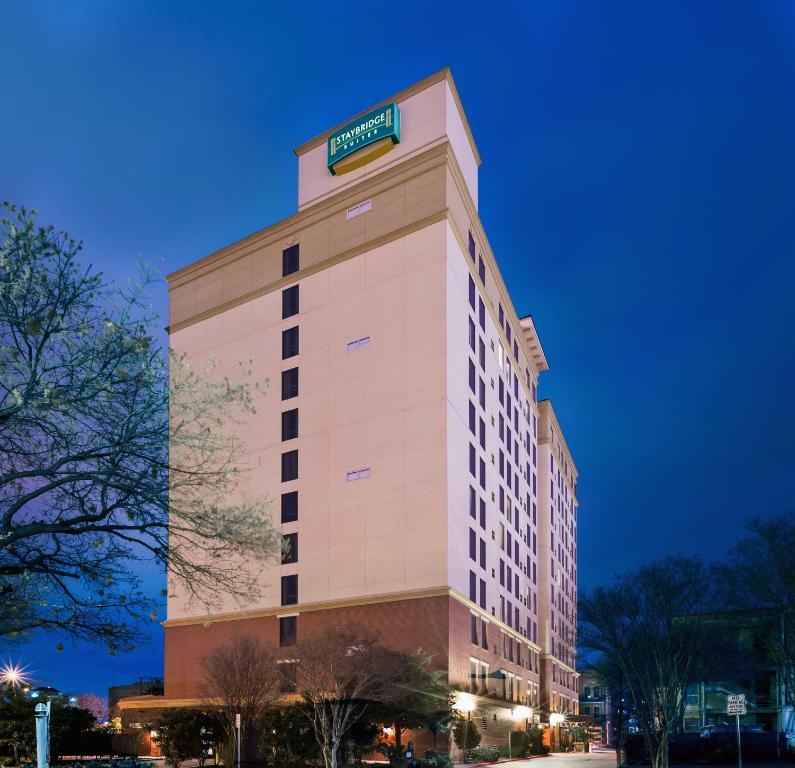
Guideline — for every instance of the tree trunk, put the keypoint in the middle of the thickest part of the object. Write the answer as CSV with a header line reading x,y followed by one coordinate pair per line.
x,y
660,757
398,739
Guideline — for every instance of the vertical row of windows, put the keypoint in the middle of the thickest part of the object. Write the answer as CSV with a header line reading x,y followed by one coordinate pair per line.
x,y
288,625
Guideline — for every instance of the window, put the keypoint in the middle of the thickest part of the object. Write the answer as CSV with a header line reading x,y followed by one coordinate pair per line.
x,y
500,312
482,594
482,394
290,342
471,335
289,548
473,586
482,354
473,675
290,260
472,461
290,590
472,376
290,507
473,546
471,246
484,637
483,514
473,628
290,424
472,502
288,676
471,292
483,474
483,434
481,270
288,630
289,466
290,302
289,383
481,313
472,418
483,554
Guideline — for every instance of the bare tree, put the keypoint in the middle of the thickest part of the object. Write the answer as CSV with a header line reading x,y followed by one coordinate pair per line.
x,y
240,678
110,453
338,676
759,575
648,626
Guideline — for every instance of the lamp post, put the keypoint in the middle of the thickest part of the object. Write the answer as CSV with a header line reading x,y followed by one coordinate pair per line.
x,y
464,702
555,721
42,727
520,713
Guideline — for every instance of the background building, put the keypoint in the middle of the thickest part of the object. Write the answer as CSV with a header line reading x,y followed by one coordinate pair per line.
x,y
424,491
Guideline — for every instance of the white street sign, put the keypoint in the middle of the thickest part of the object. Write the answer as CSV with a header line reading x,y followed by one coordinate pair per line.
x,y
735,704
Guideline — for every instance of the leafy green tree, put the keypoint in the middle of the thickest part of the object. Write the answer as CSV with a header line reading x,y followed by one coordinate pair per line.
x,y
17,728
465,734
186,734
286,739
413,695
111,452
69,728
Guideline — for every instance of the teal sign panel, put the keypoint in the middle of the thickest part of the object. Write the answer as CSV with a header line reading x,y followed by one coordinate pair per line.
x,y
380,123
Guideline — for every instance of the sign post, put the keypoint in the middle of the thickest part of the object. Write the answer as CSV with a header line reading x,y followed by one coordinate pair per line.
x,y
237,728
735,705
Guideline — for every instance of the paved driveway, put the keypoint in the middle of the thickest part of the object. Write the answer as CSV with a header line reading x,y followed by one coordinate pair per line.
x,y
569,760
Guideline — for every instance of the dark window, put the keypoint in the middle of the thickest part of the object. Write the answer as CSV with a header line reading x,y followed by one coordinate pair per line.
x,y
473,623
482,594
484,635
481,313
473,586
289,466
472,461
483,514
482,394
482,354
483,474
288,676
471,246
481,271
473,545
289,383
472,376
289,548
471,292
472,502
472,418
290,507
472,336
290,342
482,554
290,424
290,260
500,313
290,301
288,630
289,590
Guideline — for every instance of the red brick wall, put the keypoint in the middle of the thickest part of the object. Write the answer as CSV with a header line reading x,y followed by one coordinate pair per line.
x,y
404,625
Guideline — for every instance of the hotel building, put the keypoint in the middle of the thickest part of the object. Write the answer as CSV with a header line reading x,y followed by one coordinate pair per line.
x,y
424,490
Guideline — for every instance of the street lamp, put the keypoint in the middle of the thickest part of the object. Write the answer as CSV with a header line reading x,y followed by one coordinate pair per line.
x,y
464,702
518,714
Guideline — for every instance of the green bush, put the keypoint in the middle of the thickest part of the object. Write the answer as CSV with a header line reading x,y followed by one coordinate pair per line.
x,y
483,755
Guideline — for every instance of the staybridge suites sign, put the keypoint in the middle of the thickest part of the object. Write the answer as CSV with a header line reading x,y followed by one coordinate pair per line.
x,y
364,139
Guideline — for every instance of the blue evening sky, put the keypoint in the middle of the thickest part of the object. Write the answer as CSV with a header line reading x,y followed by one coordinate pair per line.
x,y
638,188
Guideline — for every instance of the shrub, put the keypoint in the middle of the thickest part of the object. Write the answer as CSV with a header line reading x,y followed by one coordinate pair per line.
x,y
465,734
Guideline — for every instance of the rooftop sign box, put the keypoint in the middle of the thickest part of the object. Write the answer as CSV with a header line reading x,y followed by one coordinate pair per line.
x,y
364,139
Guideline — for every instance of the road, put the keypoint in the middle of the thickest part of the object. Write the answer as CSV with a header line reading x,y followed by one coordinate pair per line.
x,y
569,760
